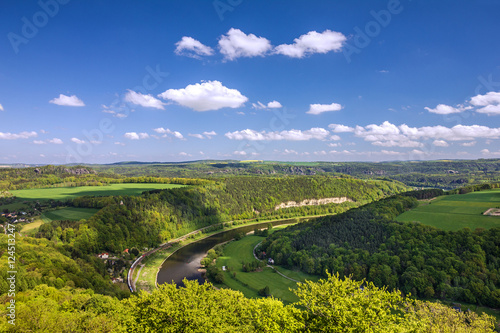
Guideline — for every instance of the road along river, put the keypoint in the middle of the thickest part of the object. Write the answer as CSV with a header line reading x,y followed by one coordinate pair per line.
x,y
185,262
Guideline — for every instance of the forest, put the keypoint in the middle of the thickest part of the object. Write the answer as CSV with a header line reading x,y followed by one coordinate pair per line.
x,y
59,274
156,216
420,260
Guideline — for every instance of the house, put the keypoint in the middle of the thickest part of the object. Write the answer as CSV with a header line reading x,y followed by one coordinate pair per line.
x,y
103,255
224,268
126,250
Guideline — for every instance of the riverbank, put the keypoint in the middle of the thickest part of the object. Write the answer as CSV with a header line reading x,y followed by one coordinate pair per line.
x,y
153,261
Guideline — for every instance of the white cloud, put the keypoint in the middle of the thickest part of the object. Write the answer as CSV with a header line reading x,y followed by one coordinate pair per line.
x,y
77,141
210,134
184,154
119,143
490,103
335,138
485,151
1,107
291,135
334,145
38,142
204,135
240,152
468,144
191,47
237,44
484,100
167,132
274,105
390,135
313,42
337,128
447,109
205,96
146,101
440,143
143,135
14,136
270,105
67,100
322,152
320,108
56,141
290,152
131,136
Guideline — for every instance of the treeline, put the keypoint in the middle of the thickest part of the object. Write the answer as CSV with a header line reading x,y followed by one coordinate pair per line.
x,y
411,257
64,176
331,305
474,188
159,215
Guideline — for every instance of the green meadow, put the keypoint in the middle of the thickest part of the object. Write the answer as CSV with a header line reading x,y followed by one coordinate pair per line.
x,y
67,213
457,211
249,283
63,193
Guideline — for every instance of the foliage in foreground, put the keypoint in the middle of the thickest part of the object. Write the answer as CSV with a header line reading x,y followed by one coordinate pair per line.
x,y
329,305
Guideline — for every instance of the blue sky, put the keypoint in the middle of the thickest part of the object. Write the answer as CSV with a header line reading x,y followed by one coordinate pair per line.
x,y
107,81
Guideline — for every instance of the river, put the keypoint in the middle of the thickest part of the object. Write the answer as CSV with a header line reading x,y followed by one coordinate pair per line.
x,y
185,263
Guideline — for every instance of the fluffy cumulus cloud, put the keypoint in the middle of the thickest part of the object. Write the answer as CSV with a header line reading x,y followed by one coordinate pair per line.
x,y
77,141
320,108
489,103
193,48
313,42
55,141
270,105
167,132
291,135
135,136
67,100
146,101
236,44
338,128
16,136
206,96
1,107
447,109
390,135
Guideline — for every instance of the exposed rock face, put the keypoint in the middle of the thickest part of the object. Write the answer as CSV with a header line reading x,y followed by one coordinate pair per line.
x,y
312,202
79,171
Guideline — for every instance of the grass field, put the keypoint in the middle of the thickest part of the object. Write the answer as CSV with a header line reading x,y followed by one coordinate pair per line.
x,y
458,211
62,193
68,213
249,283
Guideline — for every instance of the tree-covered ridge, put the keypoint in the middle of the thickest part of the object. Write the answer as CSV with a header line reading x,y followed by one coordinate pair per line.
x,y
411,257
157,216
441,173
64,176
331,305
40,261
